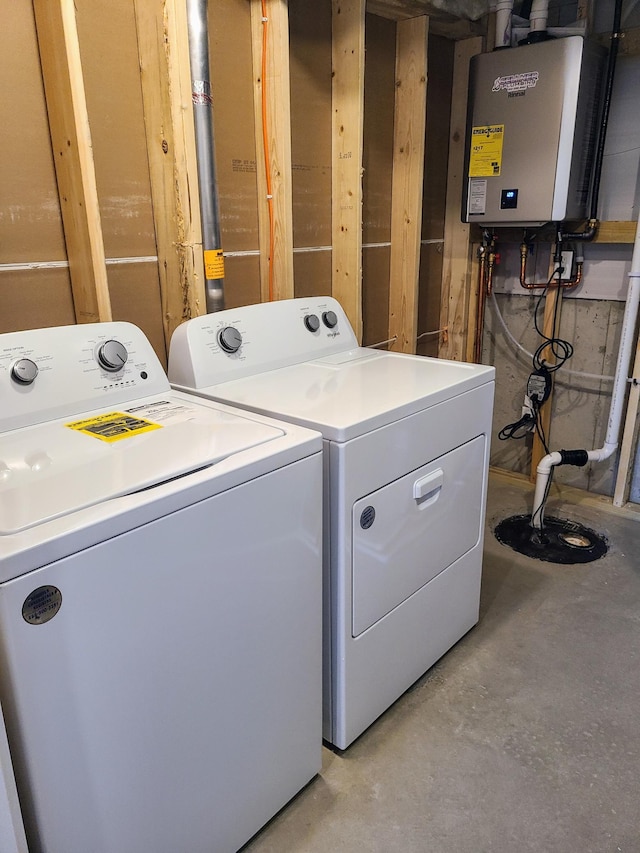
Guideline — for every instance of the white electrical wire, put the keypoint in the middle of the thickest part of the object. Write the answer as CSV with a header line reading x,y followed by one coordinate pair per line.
x,y
518,345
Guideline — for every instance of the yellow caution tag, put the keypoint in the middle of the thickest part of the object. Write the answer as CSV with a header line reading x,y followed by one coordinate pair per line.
x,y
485,157
113,426
213,264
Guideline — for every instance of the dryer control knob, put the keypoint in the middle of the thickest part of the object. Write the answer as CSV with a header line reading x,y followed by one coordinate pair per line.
x,y
330,319
312,323
230,339
24,371
112,356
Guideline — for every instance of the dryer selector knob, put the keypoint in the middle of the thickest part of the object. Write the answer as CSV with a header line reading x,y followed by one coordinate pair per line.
x,y
112,356
24,371
230,339
330,319
312,323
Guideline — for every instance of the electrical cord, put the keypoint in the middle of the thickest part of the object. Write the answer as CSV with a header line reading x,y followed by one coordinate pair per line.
x,y
519,429
562,349
520,349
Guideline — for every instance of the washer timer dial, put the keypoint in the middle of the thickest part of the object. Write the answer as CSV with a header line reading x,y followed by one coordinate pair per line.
x,y
112,356
230,339
24,371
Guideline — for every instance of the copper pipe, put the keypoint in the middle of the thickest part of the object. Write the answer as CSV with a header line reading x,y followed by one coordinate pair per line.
x,y
490,266
566,284
482,255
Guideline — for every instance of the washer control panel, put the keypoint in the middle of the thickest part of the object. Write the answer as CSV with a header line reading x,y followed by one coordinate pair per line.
x,y
49,373
240,342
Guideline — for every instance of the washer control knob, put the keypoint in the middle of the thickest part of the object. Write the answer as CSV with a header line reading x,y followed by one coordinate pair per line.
x,y
330,319
24,371
112,356
230,339
312,323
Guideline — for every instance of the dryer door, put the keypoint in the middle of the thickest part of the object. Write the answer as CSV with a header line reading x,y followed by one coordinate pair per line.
x,y
410,530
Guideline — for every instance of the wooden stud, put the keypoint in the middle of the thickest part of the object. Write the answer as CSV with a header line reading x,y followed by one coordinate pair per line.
x,y
407,181
348,20
163,47
73,156
278,142
456,261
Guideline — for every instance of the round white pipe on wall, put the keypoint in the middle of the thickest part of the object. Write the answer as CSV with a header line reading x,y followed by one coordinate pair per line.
x,y
504,10
539,15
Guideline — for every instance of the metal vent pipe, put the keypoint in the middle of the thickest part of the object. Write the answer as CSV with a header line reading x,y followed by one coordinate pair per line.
x,y
203,120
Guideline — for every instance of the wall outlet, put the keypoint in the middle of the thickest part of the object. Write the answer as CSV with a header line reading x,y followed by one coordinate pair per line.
x,y
567,264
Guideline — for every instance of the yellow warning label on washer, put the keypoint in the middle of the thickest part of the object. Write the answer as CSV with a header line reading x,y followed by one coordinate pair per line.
x,y
485,158
113,426
213,264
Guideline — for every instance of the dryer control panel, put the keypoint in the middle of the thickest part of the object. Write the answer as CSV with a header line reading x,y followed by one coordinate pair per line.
x,y
52,373
254,339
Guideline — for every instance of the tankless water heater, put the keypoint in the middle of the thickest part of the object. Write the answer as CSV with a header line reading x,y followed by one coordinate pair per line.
x,y
531,132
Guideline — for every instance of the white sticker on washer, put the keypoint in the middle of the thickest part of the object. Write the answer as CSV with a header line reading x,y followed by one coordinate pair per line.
x,y
165,411
477,196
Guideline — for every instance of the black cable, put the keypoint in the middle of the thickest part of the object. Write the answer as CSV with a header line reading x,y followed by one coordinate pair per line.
x,y
538,425
611,65
540,508
525,425
562,350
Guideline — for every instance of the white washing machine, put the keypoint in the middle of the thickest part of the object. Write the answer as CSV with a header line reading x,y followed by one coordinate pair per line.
x,y
406,451
160,601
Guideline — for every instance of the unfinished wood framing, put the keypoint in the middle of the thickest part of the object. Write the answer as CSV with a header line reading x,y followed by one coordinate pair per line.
x,y
616,232
347,137
73,157
456,262
163,48
407,181
272,109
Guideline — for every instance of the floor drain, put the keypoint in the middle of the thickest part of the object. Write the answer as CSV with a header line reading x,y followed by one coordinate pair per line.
x,y
560,541
575,540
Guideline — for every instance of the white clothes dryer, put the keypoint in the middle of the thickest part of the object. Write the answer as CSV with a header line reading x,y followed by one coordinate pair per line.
x,y
160,601
406,452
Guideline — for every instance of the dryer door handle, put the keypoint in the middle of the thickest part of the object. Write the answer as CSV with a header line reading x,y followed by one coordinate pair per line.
x,y
426,490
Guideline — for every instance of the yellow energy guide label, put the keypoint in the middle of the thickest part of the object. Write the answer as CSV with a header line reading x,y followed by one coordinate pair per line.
x,y
485,158
113,426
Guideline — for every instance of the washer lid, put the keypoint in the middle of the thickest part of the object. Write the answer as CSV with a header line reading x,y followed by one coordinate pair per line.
x,y
352,392
58,468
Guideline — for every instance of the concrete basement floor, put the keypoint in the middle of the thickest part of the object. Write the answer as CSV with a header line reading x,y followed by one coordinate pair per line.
x,y
524,737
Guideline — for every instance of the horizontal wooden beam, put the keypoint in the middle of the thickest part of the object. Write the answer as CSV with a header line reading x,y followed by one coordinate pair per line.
x,y
629,44
608,232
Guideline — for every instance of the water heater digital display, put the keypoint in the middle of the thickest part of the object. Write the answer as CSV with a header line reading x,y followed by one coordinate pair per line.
x,y
531,132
